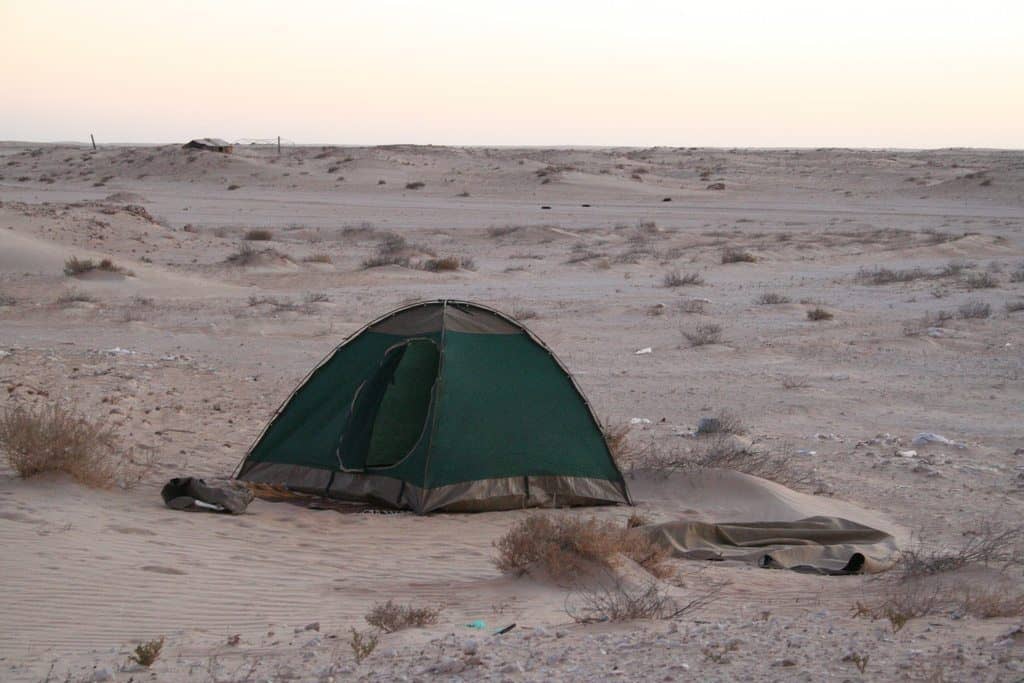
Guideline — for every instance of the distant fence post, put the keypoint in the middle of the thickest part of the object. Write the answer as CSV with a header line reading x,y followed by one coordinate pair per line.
x,y
93,138
278,145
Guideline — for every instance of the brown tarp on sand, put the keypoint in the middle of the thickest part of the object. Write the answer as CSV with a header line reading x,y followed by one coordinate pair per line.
x,y
824,545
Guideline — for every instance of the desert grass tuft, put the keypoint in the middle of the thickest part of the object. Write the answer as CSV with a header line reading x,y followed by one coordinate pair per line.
x,y
57,439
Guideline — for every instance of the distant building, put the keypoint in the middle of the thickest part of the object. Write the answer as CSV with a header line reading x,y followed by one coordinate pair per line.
x,y
210,145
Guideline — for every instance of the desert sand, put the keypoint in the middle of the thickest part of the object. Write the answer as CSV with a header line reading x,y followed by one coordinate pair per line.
x,y
191,353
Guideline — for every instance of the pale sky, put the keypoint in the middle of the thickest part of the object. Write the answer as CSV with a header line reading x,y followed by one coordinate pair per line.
x,y
516,72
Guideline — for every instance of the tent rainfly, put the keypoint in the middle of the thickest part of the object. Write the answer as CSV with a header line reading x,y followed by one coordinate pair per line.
x,y
210,145
440,405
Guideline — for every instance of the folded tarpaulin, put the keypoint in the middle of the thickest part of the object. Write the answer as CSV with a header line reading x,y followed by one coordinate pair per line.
x,y
824,545
217,495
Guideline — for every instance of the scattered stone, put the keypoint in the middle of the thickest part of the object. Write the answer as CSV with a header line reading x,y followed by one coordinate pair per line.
x,y
102,674
470,646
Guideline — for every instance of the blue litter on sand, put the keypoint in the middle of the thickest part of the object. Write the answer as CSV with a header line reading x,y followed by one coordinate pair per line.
x,y
478,624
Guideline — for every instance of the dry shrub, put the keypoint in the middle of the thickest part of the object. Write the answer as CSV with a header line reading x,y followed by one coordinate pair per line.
x,y
724,422
363,643
259,235
567,548
677,279
795,382
247,256
503,230
147,653
72,296
1014,306
56,439
885,276
523,313
637,519
390,617
703,335
913,599
974,310
622,447
728,452
319,257
986,544
982,280
771,299
612,599
1018,274
75,266
692,306
818,313
736,255
7,300
436,265
384,260
415,185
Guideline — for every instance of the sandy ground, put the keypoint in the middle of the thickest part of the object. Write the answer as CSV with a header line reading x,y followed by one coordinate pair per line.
x,y
187,361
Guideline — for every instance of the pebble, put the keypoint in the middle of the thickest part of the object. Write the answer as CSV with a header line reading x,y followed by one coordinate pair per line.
x,y
103,674
470,646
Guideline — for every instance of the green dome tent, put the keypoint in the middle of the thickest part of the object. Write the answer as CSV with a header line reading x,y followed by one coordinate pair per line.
x,y
440,405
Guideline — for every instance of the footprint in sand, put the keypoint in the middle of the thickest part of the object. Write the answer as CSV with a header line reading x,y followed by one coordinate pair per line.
x,y
162,570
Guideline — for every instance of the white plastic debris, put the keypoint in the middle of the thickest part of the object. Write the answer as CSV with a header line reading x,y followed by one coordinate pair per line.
x,y
645,350
118,351
807,452
4,354
925,438
639,421
907,454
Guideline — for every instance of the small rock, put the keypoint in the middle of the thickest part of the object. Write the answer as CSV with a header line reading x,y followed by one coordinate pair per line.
x,y
470,646
103,674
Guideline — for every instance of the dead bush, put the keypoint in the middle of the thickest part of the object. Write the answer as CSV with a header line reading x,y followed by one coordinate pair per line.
x,y
677,279
523,313
885,276
259,235
818,313
363,643
704,335
319,257
612,599
569,547
503,230
75,266
621,445
56,439
436,265
390,617
383,260
71,296
147,653
692,306
724,451
985,544
1014,306
7,300
772,299
737,255
914,599
248,256
415,185
794,382
982,280
1018,274
637,519
724,422
974,310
